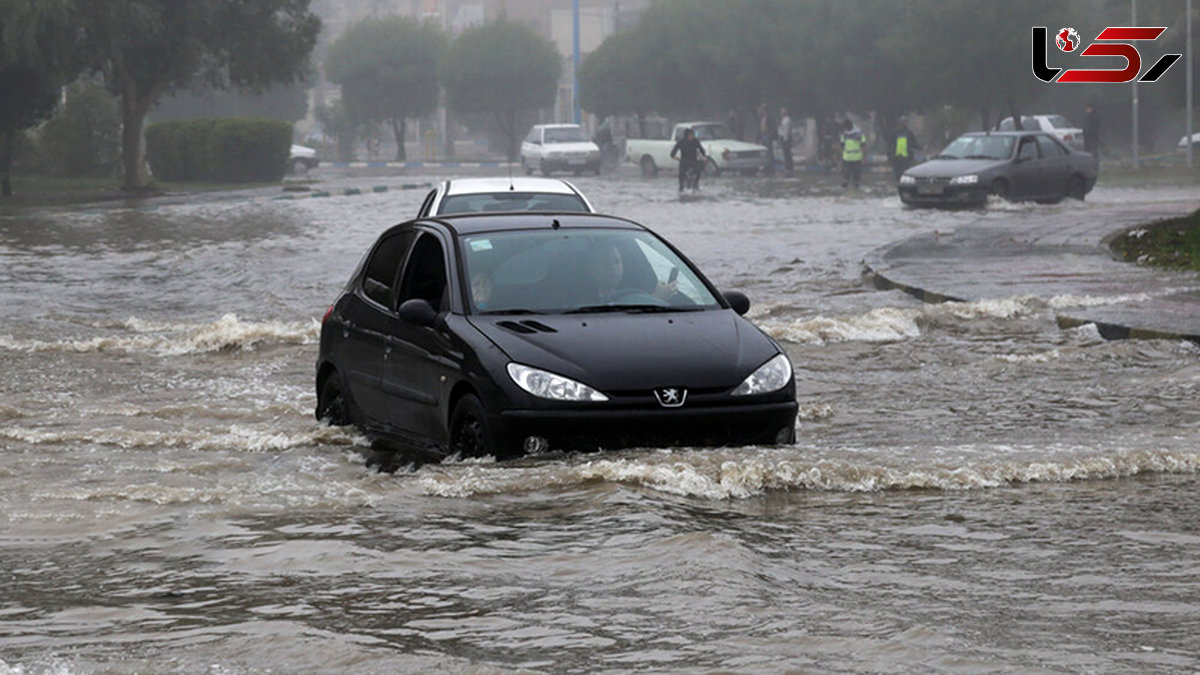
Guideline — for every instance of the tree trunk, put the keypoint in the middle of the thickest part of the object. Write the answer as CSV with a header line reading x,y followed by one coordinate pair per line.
x,y
133,120
6,157
399,126
985,118
507,121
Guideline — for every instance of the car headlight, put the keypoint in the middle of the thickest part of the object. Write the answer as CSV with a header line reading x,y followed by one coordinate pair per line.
x,y
907,180
545,384
770,376
969,179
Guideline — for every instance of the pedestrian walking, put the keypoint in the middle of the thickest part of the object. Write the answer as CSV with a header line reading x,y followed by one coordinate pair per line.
x,y
1091,131
906,145
852,154
768,128
785,139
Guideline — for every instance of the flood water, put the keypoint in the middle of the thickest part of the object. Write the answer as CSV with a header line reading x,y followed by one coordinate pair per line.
x,y
973,489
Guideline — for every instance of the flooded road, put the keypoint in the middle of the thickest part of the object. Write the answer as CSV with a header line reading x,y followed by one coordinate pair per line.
x,y
972,487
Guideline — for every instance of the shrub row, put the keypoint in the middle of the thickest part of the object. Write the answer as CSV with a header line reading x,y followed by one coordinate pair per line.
x,y
236,150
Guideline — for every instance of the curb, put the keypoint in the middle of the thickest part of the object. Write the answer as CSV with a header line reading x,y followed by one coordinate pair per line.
x,y
347,192
875,269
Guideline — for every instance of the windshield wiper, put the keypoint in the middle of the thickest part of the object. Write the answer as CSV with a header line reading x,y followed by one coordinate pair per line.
x,y
509,312
648,309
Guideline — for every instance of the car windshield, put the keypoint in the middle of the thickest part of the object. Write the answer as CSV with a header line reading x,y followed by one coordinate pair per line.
x,y
559,271
511,201
710,132
565,135
979,147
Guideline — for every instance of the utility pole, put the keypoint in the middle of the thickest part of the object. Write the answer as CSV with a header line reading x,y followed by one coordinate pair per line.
x,y
575,67
1190,57
1136,163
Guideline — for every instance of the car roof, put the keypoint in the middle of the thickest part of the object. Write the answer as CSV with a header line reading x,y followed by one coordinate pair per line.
x,y
467,186
557,126
1026,132
475,223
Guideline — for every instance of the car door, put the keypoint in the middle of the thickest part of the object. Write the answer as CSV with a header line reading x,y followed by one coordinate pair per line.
x,y
1056,167
1026,170
366,323
419,361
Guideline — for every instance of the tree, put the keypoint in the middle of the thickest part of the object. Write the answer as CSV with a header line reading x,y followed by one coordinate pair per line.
x,y
501,69
613,78
34,63
387,69
146,48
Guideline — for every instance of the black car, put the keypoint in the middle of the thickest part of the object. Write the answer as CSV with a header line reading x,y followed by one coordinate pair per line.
x,y
506,334
1014,165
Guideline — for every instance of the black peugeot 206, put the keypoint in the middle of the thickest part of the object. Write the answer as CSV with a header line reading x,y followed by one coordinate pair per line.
x,y
518,333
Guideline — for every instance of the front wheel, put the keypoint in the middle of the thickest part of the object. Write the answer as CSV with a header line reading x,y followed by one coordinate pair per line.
x,y
526,168
1000,188
469,432
712,166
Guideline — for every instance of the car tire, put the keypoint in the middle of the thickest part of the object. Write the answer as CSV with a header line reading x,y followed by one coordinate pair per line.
x,y
649,168
526,168
544,167
469,433
1076,188
332,405
712,166
1000,189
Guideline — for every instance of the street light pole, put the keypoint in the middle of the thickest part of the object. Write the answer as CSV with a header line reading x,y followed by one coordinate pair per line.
x,y
1136,163
1190,58
575,67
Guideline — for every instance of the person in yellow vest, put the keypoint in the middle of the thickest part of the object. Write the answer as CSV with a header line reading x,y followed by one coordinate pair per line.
x,y
852,154
906,145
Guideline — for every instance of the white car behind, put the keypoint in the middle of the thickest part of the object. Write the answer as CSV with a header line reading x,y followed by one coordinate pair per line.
x,y
559,147
1057,125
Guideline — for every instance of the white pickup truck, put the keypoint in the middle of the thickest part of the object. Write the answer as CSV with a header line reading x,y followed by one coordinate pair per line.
x,y
724,152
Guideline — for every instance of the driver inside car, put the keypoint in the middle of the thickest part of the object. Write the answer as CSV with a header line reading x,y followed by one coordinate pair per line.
x,y
606,270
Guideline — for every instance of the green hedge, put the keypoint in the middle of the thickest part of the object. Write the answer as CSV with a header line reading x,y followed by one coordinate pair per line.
x,y
238,150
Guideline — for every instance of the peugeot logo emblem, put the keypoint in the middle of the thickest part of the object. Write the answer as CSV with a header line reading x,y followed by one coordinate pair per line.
x,y
671,397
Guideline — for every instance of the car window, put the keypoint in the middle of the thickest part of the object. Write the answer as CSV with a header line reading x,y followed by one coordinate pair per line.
x,y
1026,123
382,269
565,135
512,201
555,271
1049,147
425,273
979,147
534,135
710,132
1028,149
1060,122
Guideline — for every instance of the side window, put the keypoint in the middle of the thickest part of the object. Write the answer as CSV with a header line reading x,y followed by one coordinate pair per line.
x,y
534,136
425,273
380,278
1028,149
1049,147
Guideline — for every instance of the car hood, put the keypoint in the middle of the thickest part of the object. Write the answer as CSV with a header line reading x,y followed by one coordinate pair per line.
x,y
623,351
582,146
948,168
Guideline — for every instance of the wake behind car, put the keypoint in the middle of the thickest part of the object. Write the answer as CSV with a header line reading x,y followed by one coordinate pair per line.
x,y
505,334
484,195
1014,165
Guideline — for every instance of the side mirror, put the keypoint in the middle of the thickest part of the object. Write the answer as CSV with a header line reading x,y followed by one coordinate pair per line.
x,y
418,311
737,300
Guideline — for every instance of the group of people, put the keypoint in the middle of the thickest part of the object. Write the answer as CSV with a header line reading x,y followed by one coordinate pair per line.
x,y
774,131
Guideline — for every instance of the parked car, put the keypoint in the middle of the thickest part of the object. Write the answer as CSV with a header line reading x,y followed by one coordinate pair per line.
x,y
1061,127
559,147
506,334
482,195
725,153
1015,165
302,158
